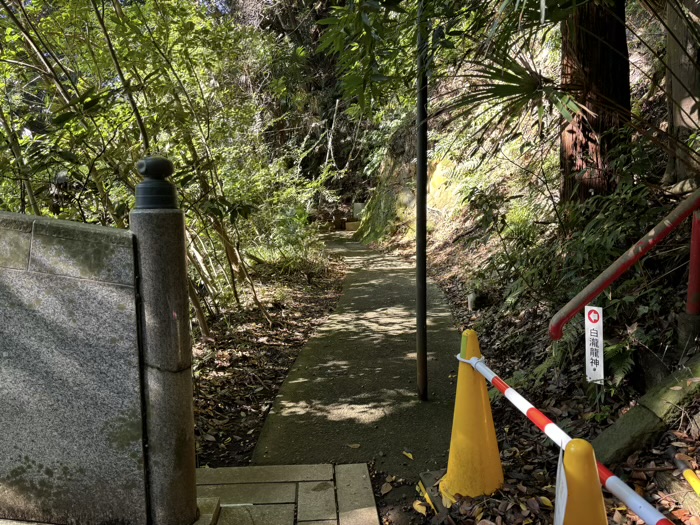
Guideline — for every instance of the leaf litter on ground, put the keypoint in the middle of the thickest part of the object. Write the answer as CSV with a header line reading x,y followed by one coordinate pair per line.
x,y
238,372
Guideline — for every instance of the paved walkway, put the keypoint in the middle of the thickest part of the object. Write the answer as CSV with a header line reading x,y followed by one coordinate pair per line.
x,y
350,397
286,495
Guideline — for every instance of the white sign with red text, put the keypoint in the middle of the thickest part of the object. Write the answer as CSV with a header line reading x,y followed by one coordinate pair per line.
x,y
594,344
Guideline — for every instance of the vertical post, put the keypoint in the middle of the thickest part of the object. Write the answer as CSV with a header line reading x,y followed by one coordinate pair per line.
x,y
693,304
166,368
689,321
421,206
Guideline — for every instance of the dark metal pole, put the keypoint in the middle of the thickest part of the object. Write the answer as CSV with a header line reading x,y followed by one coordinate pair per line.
x,y
421,206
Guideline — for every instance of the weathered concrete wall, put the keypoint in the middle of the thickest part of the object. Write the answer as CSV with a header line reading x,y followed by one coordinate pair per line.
x,y
70,388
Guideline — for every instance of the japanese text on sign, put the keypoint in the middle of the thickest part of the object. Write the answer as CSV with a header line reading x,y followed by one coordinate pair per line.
x,y
594,344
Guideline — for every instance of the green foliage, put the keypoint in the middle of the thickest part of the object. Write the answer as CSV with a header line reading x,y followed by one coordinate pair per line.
x,y
362,34
88,88
496,111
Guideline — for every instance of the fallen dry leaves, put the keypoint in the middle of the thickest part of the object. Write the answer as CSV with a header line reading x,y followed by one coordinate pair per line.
x,y
239,371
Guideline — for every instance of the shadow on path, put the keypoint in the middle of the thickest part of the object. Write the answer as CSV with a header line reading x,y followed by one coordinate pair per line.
x,y
354,383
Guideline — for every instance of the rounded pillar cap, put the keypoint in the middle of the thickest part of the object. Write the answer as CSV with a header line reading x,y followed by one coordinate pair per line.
x,y
155,192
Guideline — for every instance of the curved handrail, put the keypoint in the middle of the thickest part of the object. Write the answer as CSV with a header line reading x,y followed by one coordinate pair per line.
x,y
623,263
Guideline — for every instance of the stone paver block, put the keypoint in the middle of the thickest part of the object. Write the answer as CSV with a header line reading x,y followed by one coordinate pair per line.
x,y
264,474
323,522
257,515
205,519
356,504
254,493
13,522
208,505
316,501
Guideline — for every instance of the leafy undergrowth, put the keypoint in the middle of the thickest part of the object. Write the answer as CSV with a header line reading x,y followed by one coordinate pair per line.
x,y
528,495
516,345
238,372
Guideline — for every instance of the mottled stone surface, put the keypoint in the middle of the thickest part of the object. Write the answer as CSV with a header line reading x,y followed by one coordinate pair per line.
x,y
171,458
355,497
634,430
208,505
257,515
250,493
15,241
84,251
316,501
665,399
644,422
160,239
71,435
209,509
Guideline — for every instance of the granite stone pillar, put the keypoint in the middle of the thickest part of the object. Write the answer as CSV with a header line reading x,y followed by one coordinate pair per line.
x,y
159,228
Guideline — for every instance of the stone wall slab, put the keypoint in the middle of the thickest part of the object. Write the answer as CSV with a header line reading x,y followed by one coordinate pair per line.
x,y
70,385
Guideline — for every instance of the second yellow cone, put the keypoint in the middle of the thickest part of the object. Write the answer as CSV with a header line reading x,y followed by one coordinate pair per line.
x,y
474,466
584,503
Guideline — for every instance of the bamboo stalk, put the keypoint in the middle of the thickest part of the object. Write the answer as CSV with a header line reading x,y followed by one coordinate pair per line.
x,y
201,318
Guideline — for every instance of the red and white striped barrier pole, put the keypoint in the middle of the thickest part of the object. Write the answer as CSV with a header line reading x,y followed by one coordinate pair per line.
x,y
610,481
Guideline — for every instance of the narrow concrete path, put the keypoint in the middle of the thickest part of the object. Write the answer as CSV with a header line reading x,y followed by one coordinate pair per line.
x,y
351,395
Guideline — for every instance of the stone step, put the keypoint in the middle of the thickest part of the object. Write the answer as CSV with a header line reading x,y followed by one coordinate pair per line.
x,y
264,474
356,505
209,509
250,493
316,501
257,515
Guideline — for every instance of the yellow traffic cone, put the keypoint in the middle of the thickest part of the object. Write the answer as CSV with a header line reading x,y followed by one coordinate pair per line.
x,y
474,466
584,502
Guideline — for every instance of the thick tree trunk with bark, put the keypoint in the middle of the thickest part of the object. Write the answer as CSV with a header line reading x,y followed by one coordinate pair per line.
x,y
682,87
595,69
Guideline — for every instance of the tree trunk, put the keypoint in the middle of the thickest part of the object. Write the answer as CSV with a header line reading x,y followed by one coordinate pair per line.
x,y
682,88
595,70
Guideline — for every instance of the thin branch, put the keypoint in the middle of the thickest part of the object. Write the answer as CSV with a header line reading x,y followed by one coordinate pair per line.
x,y
125,82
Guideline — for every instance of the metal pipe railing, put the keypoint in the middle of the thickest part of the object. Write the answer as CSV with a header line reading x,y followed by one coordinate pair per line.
x,y
693,303
626,261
